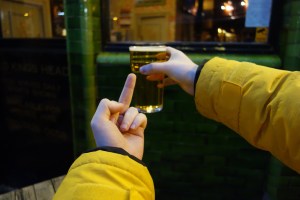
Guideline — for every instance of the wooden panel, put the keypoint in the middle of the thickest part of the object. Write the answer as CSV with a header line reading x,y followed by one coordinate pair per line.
x,y
26,193
151,27
8,196
40,191
57,181
149,2
44,190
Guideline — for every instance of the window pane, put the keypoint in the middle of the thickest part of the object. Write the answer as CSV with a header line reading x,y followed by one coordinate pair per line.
x,y
32,19
189,20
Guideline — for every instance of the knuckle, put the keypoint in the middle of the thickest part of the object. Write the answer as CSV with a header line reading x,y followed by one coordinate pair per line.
x,y
104,101
133,109
143,116
93,123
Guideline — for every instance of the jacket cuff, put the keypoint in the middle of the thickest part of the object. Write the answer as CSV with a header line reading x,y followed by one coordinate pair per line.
x,y
197,74
118,151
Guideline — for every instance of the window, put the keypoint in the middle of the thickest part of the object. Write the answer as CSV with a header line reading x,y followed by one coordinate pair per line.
x,y
32,19
217,25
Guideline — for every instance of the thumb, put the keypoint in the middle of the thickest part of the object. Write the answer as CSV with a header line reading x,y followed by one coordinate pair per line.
x,y
106,109
153,68
162,67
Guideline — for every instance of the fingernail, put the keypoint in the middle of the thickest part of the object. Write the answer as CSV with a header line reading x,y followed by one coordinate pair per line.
x,y
124,127
133,126
142,70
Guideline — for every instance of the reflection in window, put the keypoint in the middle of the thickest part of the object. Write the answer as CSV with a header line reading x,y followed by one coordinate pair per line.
x,y
185,20
32,19
58,19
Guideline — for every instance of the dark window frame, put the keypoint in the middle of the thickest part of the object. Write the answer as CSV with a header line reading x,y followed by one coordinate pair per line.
x,y
203,47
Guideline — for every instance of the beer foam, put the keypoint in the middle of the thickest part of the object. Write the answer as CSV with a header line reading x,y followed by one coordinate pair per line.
x,y
147,48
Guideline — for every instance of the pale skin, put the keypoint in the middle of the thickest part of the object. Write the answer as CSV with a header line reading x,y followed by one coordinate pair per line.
x,y
179,69
116,124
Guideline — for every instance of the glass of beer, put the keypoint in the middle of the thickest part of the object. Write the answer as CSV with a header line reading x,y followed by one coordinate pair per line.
x,y
147,97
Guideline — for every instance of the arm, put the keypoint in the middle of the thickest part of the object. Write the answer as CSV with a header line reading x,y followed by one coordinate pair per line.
x,y
261,104
114,170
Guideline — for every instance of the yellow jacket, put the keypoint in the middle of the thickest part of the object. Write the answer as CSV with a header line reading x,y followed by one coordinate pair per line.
x,y
261,104
106,175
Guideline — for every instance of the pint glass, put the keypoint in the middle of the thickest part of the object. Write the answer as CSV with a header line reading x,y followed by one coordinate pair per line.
x,y
147,97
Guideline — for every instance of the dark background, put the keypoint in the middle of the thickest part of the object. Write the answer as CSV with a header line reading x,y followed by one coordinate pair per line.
x,y
36,136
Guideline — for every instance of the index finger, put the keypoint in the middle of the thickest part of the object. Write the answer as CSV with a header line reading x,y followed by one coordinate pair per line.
x,y
128,89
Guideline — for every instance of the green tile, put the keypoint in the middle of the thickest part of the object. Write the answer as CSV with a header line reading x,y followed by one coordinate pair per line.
x,y
110,70
81,16
207,127
294,181
295,5
83,141
72,9
80,47
96,23
81,116
183,127
73,22
88,103
96,9
214,160
293,36
295,22
75,34
288,191
152,155
293,50
169,108
67,2
83,22
86,22
85,70
85,60
234,181
82,81
108,92
88,111
116,58
292,63
286,171
286,9
275,167
82,94
97,45
80,35
82,8
272,192
97,36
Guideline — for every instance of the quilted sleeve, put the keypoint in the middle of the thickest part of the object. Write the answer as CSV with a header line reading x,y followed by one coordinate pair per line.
x,y
106,175
261,104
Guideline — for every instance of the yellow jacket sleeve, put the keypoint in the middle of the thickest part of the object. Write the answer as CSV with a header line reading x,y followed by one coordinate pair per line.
x,y
106,175
261,104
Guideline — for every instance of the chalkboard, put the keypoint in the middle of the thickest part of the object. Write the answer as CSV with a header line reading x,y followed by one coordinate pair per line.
x,y
36,126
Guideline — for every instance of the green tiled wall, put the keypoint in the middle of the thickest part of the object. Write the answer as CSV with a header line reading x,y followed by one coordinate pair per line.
x,y
83,44
291,27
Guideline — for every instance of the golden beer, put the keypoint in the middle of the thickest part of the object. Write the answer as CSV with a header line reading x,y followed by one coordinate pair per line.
x,y
147,97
